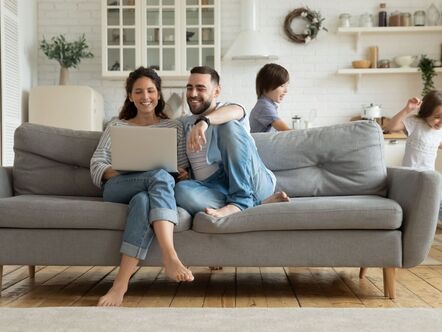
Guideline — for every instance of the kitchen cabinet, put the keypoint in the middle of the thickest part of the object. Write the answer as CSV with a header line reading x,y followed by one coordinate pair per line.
x,y
172,36
359,32
394,151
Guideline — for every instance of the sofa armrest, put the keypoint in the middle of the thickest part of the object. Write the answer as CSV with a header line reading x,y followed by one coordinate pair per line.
x,y
418,193
6,189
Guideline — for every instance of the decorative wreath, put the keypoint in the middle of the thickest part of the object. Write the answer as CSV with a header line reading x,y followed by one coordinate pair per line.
x,y
313,21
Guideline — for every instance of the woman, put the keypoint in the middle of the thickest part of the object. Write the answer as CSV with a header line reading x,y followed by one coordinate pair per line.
x,y
150,194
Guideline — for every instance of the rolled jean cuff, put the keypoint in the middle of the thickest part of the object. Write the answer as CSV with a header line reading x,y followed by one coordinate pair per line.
x,y
133,251
163,214
238,206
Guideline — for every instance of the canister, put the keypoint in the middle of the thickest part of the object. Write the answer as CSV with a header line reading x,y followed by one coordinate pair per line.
x,y
373,56
419,18
296,122
405,19
395,19
344,20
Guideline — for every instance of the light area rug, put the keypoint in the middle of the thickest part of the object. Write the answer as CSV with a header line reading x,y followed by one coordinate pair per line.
x,y
213,319
437,243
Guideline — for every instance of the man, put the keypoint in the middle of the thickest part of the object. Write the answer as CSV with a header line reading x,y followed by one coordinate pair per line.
x,y
228,173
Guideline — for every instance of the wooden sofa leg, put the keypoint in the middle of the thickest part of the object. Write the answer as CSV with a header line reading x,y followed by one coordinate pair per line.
x,y
362,272
389,282
31,271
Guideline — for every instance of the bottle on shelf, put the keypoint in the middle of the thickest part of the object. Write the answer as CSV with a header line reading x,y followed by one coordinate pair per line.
x,y
382,22
373,53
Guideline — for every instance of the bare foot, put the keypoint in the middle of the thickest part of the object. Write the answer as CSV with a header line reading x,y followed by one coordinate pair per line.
x,y
277,197
176,270
222,212
114,297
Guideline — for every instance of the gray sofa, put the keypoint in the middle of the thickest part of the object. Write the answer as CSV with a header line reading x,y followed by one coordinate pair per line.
x,y
349,210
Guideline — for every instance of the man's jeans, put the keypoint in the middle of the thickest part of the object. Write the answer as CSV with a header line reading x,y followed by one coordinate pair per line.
x,y
150,197
242,180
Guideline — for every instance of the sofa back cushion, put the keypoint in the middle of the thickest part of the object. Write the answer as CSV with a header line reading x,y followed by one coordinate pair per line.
x,y
53,161
346,159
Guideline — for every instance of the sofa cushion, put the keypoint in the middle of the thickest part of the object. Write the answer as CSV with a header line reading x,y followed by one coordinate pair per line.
x,y
345,159
40,211
53,161
309,213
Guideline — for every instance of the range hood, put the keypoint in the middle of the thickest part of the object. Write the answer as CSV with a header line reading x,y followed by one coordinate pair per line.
x,y
249,45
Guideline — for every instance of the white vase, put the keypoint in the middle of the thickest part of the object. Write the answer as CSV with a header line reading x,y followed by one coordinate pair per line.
x,y
433,15
64,76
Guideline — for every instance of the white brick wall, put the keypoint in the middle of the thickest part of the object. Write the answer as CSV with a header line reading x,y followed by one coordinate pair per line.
x,y
312,67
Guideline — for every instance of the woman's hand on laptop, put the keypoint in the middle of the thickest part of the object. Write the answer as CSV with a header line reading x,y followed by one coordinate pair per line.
x,y
182,174
109,173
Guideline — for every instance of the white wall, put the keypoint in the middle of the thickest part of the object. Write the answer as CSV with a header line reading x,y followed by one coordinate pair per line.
x,y
28,39
314,83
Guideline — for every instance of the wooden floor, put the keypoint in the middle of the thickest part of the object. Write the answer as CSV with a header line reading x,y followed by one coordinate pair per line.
x,y
230,287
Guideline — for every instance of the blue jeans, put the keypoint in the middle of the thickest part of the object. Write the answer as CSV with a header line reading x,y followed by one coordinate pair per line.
x,y
150,197
242,180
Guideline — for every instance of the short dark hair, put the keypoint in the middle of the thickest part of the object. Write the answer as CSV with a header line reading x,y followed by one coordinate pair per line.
x,y
129,111
270,77
430,102
214,76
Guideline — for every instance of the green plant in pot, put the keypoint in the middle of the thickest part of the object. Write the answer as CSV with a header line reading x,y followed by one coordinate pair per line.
x,y
68,54
426,67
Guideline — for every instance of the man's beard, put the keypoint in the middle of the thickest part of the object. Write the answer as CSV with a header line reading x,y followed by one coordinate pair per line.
x,y
200,109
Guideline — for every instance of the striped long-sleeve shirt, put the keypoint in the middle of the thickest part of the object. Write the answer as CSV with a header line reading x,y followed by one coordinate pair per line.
x,y
102,157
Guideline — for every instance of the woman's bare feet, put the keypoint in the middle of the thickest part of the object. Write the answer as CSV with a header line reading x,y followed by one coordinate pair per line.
x,y
222,212
175,270
114,297
277,197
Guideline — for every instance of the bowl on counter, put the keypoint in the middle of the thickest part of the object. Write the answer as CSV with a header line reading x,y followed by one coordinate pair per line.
x,y
361,64
404,60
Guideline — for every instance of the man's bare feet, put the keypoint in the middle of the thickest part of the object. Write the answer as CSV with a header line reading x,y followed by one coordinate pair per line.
x,y
277,197
175,270
114,297
223,212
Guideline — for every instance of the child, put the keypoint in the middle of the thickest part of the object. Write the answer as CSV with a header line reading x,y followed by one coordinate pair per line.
x,y
424,131
271,87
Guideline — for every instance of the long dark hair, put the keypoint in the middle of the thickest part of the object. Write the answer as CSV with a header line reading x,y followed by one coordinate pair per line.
x,y
129,111
270,77
431,101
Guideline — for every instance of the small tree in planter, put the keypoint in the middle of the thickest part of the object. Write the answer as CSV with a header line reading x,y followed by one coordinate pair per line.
x,y
68,54
426,66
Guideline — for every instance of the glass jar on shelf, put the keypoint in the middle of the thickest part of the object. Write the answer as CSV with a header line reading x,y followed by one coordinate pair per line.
x,y
296,122
419,18
405,19
344,20
395,19
366,20
384,63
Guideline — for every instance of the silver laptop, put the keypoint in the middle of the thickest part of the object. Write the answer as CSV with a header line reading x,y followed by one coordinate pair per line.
x,y
143,148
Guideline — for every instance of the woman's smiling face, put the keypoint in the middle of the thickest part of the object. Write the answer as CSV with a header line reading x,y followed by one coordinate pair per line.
x,y
144,95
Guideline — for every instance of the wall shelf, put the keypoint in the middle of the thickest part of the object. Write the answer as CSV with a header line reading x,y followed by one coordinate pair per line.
x,y
359,31
379,71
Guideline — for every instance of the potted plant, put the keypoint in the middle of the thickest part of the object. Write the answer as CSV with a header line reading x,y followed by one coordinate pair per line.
x,y
68,54
426,67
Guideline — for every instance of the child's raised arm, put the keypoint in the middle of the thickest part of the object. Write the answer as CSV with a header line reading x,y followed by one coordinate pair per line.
x,y
396,122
